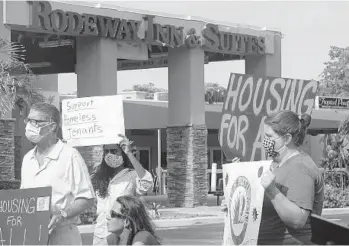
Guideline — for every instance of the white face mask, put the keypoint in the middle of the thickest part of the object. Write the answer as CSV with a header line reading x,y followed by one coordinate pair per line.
x,y
113,161
34,133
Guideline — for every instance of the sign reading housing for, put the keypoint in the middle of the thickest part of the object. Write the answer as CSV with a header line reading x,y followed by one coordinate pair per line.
x,y
249,100
24,216
93,120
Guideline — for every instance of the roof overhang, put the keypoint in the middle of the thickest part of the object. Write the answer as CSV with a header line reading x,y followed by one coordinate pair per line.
x,y
147,114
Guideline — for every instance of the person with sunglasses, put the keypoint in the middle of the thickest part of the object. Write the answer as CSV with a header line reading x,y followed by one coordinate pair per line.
x,y
118,174
130,224
53,163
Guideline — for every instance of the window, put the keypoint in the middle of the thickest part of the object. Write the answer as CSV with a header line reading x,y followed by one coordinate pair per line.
x,y
143,155
164,160
215,155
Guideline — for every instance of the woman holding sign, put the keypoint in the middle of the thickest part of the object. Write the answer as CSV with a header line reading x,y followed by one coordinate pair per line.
x,y
294,186
115,177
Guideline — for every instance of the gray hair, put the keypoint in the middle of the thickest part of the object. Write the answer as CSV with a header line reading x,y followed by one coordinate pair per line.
x,y
51,112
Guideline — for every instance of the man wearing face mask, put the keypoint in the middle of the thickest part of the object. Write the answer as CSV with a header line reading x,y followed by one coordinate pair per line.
x,y
53,163
118,174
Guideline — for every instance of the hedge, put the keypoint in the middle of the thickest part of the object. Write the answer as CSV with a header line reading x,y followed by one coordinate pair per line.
x,y
10,184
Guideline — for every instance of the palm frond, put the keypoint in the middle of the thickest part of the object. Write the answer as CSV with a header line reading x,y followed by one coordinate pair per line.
x,y
16,78
12,51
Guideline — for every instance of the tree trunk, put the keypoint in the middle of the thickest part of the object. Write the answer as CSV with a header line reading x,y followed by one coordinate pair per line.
x,y
187,166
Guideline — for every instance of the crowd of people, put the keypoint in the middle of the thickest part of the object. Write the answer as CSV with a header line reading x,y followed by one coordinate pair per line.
x,y
294,185
116,185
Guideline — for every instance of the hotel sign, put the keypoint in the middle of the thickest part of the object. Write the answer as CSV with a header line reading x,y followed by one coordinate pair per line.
x,y
60,22
150,63
332,102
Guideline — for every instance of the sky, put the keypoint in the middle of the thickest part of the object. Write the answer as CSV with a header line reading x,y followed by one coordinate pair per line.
x,y
309,29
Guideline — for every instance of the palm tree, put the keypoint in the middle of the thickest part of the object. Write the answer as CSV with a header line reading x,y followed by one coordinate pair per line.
x,y
16,79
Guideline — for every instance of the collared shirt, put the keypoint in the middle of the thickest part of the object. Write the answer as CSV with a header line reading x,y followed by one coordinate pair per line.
x,y
65,171
125,182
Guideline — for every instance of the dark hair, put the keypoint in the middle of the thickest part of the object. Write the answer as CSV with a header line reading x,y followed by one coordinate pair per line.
x,y
287,121
134,209
104,173
51,112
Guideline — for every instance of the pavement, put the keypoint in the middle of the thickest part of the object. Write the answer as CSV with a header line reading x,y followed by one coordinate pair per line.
x,y
210,214
206,230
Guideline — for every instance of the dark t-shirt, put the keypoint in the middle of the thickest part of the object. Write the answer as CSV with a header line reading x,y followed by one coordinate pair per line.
x,y
301,181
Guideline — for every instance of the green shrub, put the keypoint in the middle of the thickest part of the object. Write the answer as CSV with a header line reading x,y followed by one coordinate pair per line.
x,y
89,216
336,197
10,184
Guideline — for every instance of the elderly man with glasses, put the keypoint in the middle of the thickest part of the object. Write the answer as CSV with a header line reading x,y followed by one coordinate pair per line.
x,y
53,163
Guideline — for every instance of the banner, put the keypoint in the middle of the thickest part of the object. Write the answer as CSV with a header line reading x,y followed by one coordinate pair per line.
x,y
24,216
249,100
244,196
93,120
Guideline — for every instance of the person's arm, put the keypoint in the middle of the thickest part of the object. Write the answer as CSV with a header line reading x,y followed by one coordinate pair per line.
x,y
291,214
80,183
294,208
141,172
144,180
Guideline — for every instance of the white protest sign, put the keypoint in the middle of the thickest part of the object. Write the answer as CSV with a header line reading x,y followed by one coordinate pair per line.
x,y
93,120
244,196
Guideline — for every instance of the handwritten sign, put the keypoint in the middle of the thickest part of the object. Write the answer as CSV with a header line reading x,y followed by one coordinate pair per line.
x,y
24,216
249,100
93,120
244,195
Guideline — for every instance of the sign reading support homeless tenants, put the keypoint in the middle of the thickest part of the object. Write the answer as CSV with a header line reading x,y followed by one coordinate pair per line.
x,y
249,100
24,216
92,121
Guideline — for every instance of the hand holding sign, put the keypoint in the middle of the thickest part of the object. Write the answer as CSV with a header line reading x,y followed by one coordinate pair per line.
x,y
126,145
268,180
55,220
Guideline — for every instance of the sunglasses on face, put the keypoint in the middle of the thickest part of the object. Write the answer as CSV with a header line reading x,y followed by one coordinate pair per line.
x,y
115,215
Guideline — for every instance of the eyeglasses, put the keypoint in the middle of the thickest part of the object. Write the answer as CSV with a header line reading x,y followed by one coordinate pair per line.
x,y
115,215
35,122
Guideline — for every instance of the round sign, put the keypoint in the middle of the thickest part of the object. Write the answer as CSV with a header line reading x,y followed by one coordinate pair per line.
x,y
239,207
